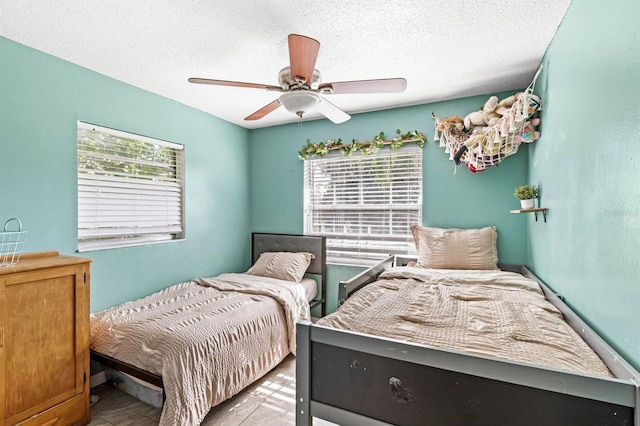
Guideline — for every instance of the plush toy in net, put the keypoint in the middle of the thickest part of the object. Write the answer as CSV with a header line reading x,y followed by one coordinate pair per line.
x,y
486,137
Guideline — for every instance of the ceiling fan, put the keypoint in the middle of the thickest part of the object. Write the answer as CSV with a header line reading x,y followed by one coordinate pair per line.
x,y
300,84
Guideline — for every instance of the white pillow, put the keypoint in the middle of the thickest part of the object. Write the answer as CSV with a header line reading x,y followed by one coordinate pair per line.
x,y
454,248
282,265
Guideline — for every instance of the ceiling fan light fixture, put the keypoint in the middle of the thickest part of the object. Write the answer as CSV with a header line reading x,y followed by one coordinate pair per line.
x,y
299,102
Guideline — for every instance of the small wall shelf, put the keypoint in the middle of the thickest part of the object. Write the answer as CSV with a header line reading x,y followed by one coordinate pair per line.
x,y
534,211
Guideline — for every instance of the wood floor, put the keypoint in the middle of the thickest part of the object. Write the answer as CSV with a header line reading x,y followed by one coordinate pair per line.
x,y
269,401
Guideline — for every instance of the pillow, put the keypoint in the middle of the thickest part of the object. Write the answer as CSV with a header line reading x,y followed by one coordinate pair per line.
x,y
282,265
454,248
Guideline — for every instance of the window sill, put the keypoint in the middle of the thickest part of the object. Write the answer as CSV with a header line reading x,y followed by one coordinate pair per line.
x,y
119,246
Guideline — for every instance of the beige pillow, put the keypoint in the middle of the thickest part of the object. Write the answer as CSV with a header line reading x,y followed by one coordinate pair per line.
x,y
456,248
282,265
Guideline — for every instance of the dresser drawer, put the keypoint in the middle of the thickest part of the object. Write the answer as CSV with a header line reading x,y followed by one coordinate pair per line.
x,y
70,412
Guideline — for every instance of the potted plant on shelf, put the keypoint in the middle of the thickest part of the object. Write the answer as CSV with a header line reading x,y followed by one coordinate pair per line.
x,y
526,194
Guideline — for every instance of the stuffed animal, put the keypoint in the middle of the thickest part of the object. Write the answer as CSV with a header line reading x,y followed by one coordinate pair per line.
x,y
487,116
477,118
473,119
529,133
535,104
523,108
451,124
510,115
504,106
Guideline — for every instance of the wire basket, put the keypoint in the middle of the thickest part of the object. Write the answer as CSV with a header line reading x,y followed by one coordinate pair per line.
x,y
11,243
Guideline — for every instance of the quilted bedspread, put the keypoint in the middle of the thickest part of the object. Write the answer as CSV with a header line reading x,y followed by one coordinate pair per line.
x,y
208,338
489,313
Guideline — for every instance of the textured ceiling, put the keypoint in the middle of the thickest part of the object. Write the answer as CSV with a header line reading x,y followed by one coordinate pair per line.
x,y
445,49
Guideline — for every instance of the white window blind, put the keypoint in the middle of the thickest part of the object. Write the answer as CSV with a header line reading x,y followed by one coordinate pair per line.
x,y
365,205
130,189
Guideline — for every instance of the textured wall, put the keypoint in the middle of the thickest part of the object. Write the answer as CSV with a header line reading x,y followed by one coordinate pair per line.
x,y
41,98
587,167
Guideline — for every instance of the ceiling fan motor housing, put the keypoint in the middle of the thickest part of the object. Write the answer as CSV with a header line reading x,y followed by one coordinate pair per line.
x,y
287,82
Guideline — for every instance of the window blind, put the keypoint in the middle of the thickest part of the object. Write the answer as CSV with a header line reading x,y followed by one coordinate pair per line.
x,y
365,205
130,189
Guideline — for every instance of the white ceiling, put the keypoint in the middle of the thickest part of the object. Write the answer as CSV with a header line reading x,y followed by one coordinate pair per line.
x,y
445,49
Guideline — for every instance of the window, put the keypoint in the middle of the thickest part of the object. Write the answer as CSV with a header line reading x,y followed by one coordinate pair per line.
x,y
130,189
365,205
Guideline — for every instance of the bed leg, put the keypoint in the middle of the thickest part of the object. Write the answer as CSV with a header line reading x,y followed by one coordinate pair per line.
x,y
303,373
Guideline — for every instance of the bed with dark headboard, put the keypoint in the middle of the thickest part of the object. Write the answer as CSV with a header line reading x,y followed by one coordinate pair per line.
x,y
349,370
267,315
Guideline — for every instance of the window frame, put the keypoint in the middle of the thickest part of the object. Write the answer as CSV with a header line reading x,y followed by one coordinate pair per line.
x,y
361,249
137,192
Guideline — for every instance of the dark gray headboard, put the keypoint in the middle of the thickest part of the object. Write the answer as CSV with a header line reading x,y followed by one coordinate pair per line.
x,y
261,243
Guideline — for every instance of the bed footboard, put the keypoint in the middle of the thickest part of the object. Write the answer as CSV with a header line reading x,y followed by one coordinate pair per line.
x,y
351,378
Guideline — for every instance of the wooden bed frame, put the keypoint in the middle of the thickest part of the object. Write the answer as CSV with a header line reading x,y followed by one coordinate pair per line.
x,y
260,243
354,379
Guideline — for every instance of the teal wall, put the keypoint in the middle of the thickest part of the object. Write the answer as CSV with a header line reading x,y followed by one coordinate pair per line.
x,y
587,166
41,98
463,199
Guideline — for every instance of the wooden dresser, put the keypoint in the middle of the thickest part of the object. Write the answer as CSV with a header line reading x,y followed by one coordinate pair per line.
x,y
44,341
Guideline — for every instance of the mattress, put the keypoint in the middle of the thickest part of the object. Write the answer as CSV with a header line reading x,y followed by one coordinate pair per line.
x,y
487,313
208,338
310,288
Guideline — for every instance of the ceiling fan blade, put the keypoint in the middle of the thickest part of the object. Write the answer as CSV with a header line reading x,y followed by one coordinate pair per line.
x,y
332,112
384,85
263,111
303,52
233,83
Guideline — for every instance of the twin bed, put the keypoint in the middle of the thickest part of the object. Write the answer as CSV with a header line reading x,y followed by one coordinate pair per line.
x,y
445,338
205,340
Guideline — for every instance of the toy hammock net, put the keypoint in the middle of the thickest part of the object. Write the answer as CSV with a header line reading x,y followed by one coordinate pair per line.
x,y
491,135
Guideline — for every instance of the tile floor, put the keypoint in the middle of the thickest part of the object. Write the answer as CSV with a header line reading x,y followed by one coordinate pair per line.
x,y
269,401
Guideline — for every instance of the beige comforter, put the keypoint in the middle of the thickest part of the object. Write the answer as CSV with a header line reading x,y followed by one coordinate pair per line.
x,y
208,338
488,313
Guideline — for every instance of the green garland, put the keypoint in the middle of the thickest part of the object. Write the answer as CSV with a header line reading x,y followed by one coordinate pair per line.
x,y
368,147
